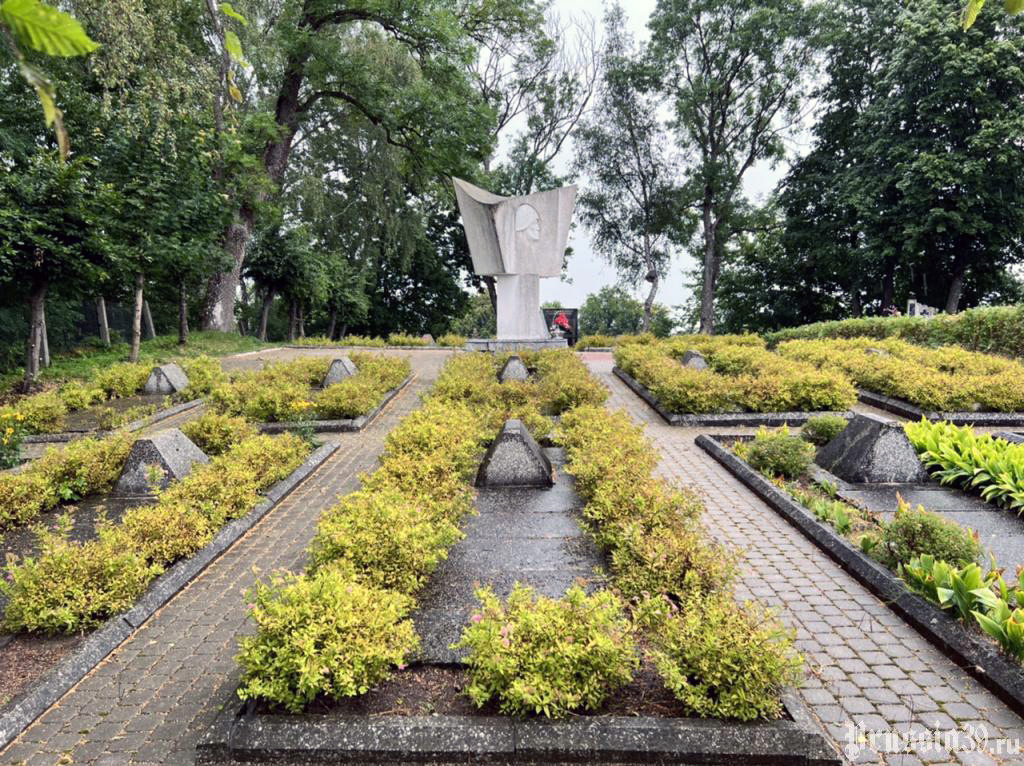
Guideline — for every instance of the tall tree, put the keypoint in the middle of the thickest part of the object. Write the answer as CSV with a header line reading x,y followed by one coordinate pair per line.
x,y
735,71
623,151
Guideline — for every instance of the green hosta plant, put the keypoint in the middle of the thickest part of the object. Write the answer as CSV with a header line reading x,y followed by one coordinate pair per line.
x,y
1004,625
535,654
966,590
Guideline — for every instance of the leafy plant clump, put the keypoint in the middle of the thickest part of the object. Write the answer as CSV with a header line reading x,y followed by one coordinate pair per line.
x,y
821,429
719,658
324,634
913,532
778,453
214,433
535,654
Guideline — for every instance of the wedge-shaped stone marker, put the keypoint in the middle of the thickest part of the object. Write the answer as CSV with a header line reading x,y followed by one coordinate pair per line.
x,y
515,460
514,369
155,461
694,360
166,379
873,450
340,369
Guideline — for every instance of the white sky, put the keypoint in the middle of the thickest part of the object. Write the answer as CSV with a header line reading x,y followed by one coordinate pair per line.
x,y
587,272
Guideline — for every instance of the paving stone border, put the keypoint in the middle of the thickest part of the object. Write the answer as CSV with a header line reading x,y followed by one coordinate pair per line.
x,y
982,658
135,425
723,419
912,412
17,715
351,424
235,736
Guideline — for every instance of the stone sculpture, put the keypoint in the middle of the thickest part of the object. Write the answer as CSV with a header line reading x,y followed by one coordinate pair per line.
x,y
517,240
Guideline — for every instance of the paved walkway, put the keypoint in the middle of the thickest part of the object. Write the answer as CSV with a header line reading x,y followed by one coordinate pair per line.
x,y
867,668
149,702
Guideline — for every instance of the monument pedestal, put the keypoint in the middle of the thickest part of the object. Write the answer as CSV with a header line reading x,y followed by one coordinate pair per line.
x,y
507,344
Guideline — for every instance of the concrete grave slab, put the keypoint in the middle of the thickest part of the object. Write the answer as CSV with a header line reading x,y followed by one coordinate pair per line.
x,y
167,455
871,450
166,379
340,369
514,459
514,369
694,360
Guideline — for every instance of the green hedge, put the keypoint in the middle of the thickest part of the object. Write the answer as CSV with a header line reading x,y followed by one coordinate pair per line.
x,y
996,330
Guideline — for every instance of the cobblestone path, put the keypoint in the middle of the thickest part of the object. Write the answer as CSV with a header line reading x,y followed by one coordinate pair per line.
x,y
868,671
149,702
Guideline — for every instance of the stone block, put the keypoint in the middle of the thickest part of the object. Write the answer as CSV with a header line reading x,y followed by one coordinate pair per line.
x,y
514,369
515,460
873,450
694,360
166,379
340,370
155,461
428,338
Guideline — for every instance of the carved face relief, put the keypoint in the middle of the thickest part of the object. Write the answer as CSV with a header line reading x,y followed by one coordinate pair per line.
x,y
528,222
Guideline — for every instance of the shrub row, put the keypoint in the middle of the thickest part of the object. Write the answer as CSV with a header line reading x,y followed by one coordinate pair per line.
x,y
74,586
743,377
394,339
945,379
44,412
678,581
82,468
935,557
997,330
285,391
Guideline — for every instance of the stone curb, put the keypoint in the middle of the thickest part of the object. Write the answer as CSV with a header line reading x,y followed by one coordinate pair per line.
x,y
321,426
46,691
439,740
982,658
912,412
724,419
135,425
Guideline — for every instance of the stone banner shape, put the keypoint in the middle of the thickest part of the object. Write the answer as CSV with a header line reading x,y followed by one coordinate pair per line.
x,y
873,450
515,460
166,379
155,461
340,369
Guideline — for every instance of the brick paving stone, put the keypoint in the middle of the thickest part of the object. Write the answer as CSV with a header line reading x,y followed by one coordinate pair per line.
x,y
159,689
846,633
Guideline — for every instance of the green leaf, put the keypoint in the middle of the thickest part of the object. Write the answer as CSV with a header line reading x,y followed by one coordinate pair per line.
x,y
47,97
45,29
233,46
1014,6
971,12
228,10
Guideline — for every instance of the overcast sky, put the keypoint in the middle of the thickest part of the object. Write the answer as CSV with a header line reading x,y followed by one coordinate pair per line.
x,y
587,272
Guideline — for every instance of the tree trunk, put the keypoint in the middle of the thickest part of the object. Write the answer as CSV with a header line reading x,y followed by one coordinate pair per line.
x,y
137,319
344,329
101,316
268,302
302,320
219,308
44,339
653,278
888,284
37,300
293,320
243,324
182,315
707,293
148,318
331,324
956,284
856,305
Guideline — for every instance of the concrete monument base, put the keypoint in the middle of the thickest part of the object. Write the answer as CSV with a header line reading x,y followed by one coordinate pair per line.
x,y
526,344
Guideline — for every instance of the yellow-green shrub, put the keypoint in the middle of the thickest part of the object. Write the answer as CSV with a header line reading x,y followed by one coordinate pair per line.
x,y
596,341
71,587
122,379
78,395
204,374
322,635
23,496
945,379
399,339
721,659
42,413
214,433
362,340
535,654
450,340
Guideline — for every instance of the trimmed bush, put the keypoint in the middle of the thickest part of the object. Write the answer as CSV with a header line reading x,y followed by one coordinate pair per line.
x,y
535,654
778,453
722,659
214,433
41,413
322,635
450,340
914,532
121,380
398,339
204,374
821,429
